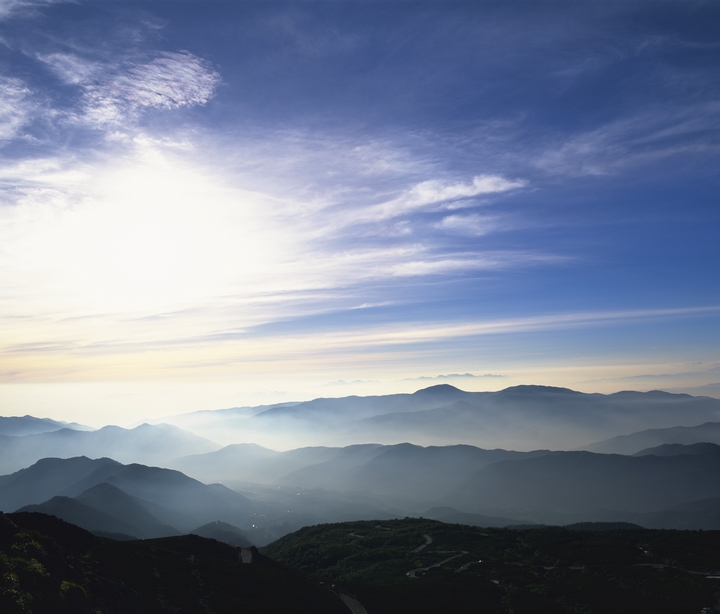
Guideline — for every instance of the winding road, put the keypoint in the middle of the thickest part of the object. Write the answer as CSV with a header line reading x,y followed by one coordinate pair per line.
x,y
428,541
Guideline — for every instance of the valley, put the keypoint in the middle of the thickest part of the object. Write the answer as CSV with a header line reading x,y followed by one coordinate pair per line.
x,y
506,527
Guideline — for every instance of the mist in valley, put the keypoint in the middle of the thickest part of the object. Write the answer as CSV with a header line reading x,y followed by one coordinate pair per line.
x,y
579,457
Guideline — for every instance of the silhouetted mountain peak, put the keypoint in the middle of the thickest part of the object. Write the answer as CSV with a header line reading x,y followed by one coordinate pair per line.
x,y
439,389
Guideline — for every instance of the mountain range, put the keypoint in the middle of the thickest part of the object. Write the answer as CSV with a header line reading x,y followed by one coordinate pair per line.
x,y
517,418
29,425
668,487
634,442
150,444
160,480
135,500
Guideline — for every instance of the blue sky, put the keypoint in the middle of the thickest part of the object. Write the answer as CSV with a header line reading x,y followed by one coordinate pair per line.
x,y
206,204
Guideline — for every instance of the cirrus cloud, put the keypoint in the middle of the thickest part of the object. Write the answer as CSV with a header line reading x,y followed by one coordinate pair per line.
x,y
15,107
170,81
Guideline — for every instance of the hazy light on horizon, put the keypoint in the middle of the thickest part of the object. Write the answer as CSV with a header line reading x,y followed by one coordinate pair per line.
x,y
252,214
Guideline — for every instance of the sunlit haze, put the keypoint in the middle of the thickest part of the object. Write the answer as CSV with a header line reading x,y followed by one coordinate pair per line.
x,y
219,204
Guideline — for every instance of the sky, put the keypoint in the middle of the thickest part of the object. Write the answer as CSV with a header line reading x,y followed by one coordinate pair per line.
x,y
211,204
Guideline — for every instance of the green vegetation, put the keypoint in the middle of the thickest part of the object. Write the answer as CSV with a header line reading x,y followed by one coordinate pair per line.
x,y
533,570
48,566
422,566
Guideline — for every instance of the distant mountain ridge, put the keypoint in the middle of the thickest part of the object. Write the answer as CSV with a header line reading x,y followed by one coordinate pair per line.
x,y
401,470
635,442
583,482
149,444
29,425
516,418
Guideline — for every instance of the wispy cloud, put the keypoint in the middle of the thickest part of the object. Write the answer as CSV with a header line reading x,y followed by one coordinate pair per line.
x,y
10,7
170,81
16,107
414,333
471,224
655,133
668,378
71,68
115,92
436,194
453,376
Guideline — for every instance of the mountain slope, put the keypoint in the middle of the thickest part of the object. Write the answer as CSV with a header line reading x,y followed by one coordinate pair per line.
x,y
149,444
49,477
402,470
634,442
53,567
518,418
583,482
170,496
114,502
223,532
29,425
82,515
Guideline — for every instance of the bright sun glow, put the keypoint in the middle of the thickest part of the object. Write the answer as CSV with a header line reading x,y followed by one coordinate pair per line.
x,y
147,234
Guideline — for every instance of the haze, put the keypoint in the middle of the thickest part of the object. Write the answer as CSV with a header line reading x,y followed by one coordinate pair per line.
x,y
220,204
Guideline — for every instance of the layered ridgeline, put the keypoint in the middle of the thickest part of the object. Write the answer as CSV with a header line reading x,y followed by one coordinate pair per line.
x,y
518,418
150,444
262,493
126,501
672,486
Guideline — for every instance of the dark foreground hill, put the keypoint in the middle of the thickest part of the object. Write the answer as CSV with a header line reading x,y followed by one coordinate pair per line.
x,y
424,566
50,567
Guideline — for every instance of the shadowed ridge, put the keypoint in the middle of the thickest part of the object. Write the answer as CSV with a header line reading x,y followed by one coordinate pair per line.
x,y
48,477
223,532
81,515
702,448
117,503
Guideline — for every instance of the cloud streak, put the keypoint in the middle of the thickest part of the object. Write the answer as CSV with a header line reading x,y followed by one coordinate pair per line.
x,y
170,81
655,134
179,202
16,107
435,194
